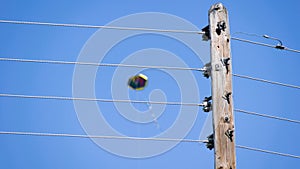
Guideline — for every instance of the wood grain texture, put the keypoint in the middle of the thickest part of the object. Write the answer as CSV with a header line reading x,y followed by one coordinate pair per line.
x,y
221,77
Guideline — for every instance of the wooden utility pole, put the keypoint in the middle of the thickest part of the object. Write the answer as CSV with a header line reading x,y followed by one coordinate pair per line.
x,y
221,77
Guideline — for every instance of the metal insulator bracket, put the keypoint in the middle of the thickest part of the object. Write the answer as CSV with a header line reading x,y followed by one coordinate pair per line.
x,y
206,35
207,70
210,142
207,105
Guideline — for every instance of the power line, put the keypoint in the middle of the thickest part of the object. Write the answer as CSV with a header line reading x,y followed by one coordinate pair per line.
x,y
267,81
98,64
139,66
100,137
99,26
279,46
139,101
263,36
253,42
267,45
138,138
140,29
134,101
268,151
267,116
97,100
248,34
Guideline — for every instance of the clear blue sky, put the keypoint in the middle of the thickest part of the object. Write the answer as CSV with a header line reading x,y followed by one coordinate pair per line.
x,y
277,19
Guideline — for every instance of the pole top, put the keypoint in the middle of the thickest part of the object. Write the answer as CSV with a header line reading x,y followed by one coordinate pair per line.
x,y
218,6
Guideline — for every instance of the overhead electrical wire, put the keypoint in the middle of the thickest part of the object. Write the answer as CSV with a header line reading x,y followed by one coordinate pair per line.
x,y
98,64
97,100
99,26
141,66
266,81
265,44
139,101
253,42
140,139
97,136
278,46
267,151
268,116
141,29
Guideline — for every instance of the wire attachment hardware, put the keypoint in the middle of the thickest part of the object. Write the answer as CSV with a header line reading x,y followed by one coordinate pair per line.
x,y
206,35
210,142
279,45
207,70
207,106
